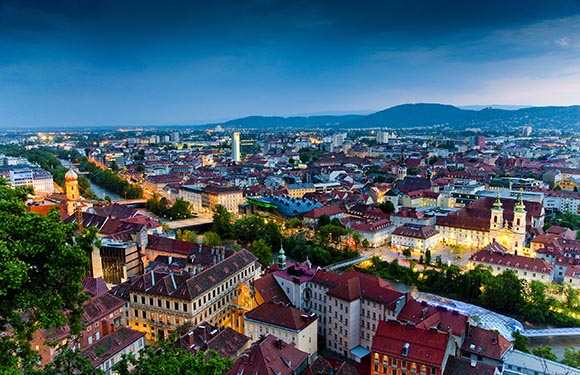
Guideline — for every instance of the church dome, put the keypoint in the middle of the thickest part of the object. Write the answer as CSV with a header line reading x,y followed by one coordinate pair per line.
x,y
71,175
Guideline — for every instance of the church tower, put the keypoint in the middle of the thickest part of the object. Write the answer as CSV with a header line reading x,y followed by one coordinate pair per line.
x,y
402,168
281,259
496,220
519,224
72,191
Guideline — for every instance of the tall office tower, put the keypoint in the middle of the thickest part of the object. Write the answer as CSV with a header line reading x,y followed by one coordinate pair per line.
x,y
236,147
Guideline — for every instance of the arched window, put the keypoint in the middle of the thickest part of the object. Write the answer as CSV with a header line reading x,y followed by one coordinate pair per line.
x,y
495,219
518,221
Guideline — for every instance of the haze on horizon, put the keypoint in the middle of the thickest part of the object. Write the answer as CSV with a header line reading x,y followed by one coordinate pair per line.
x,y
84,63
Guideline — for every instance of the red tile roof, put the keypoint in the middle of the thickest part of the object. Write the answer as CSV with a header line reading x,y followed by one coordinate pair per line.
x,y
415,231
485,343
281,315
269,356
353,285
270,290
424,347
427,316
496,254
330,210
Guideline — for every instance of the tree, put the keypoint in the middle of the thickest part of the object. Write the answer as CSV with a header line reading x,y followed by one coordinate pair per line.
x,y
572,297
357,238
42,263
427,256
366,243
571,357
222,222
536,306
181,209
545,352
407,252
186,235
262,251
67,362
521,342
323,220
211,239
387,207
293,223
165,358
114,166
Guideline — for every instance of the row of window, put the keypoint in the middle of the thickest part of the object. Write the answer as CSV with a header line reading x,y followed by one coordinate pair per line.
x,y
202,301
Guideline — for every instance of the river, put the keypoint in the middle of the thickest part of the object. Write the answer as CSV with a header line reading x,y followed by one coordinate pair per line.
x,y
99,191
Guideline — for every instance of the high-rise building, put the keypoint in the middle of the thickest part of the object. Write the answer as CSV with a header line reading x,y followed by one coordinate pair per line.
x,y
236,156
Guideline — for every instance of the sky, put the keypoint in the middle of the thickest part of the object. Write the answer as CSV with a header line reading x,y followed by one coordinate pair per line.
x,y
142,62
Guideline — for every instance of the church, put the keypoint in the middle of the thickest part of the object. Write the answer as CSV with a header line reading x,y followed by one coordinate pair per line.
x,y
484,221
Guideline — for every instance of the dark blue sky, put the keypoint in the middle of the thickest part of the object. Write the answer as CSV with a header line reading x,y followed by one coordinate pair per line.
x,y
105,62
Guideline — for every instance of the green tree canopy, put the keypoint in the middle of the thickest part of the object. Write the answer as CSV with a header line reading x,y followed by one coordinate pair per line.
x,y
387,207
211,239
222,222
42,263
262,251
165,359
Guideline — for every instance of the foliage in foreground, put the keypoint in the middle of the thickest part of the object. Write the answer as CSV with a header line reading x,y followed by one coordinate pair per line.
x,y
164,358
42,263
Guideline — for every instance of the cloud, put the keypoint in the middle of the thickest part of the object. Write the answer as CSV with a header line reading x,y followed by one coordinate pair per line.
x,y
564,42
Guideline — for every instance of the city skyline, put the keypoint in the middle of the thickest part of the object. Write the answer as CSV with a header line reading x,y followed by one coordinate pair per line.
x,y
67,63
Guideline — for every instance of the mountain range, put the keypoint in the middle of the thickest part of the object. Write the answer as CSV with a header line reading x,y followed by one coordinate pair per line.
x,y
422,115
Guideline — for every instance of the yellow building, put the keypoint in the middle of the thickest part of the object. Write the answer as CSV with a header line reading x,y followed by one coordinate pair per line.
x,y
228,197
160,301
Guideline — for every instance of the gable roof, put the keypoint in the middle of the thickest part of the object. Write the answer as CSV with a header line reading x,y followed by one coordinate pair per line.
x,y
281,315
424,347
485,343
269,356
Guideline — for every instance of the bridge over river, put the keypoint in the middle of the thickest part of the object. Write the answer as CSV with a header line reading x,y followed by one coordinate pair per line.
x,y
551,332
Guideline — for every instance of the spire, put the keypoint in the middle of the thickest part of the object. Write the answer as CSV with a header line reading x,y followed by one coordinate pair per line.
x,y
497,204
520,207
281,259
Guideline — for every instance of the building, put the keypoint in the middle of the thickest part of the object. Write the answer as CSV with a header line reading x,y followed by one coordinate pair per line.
x,y
284,322
162,300
226,341
236,155
402,349
519,363
562,201
482,345
477,224
270,355
499,259
119,260
349,307
311,218
102,316
72,191
192,194
107,352
416,237
375,232
228,197
299,190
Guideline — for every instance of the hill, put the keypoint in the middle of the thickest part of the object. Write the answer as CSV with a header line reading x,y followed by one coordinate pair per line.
x,y
423,115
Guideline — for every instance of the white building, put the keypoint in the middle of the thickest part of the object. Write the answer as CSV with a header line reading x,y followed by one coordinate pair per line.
x,y
284,322
236,156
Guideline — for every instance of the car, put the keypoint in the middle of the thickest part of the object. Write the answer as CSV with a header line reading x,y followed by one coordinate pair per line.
x,y
458,257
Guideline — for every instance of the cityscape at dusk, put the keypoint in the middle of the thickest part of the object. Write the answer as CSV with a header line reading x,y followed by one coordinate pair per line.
x,y
290,188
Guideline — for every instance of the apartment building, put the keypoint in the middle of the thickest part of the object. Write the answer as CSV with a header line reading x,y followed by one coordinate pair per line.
x,y
161,300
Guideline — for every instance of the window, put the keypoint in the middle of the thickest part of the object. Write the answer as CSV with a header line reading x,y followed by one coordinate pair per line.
x,y
134,298
151,301
97,335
